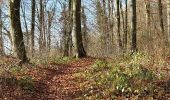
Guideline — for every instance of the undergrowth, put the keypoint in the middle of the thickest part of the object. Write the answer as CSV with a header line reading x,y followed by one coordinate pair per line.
x,y
16,77
52,60
126,78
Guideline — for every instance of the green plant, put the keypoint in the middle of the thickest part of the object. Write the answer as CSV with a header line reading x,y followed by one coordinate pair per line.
x,y
26,83
111,80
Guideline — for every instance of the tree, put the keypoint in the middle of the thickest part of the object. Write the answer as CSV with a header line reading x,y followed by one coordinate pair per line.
x,y
134,28
118,26
32,27
126,27
77,38
1,39
168,13
50,19
161,17
16,31
84,28
65,30
42,38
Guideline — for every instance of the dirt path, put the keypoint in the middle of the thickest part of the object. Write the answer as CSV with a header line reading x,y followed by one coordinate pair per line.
x,y
57,82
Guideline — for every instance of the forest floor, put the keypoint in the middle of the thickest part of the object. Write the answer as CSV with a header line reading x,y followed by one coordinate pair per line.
x,y
52,81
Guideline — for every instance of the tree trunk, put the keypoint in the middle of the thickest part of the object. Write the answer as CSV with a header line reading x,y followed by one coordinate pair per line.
x,y
69,41
65,32
41,28
118,27
163,38
1,38
50,19
32,27
16,32
168,15
84,29
78,44
126,26
161,17
134,27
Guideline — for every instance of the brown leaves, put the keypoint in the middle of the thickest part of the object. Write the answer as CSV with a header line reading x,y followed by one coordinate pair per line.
x,y
55,81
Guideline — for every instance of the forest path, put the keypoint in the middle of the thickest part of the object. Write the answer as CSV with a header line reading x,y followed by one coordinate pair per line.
x,y
49,82
58,82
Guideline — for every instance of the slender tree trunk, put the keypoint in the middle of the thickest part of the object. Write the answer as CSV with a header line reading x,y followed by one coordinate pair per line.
x,y
123,26
70,42
1,38
32,27
16,32
126,26
161,17
110,31
168,15
134,27
41,19
78,43
148,19
118,27
50,19
163,38
65,32
148,43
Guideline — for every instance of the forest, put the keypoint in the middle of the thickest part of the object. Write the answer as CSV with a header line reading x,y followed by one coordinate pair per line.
x,y
84,49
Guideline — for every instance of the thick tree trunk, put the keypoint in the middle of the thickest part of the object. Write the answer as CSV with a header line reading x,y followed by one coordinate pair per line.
x,y
68,23
78,43
134,27
16,32
84,29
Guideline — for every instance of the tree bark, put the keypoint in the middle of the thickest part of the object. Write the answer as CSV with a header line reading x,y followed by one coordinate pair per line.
x,y
161,17
168,19
41,26
118,27
134,27
16,32
78,44
84,29
126,26
32,27
1,38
